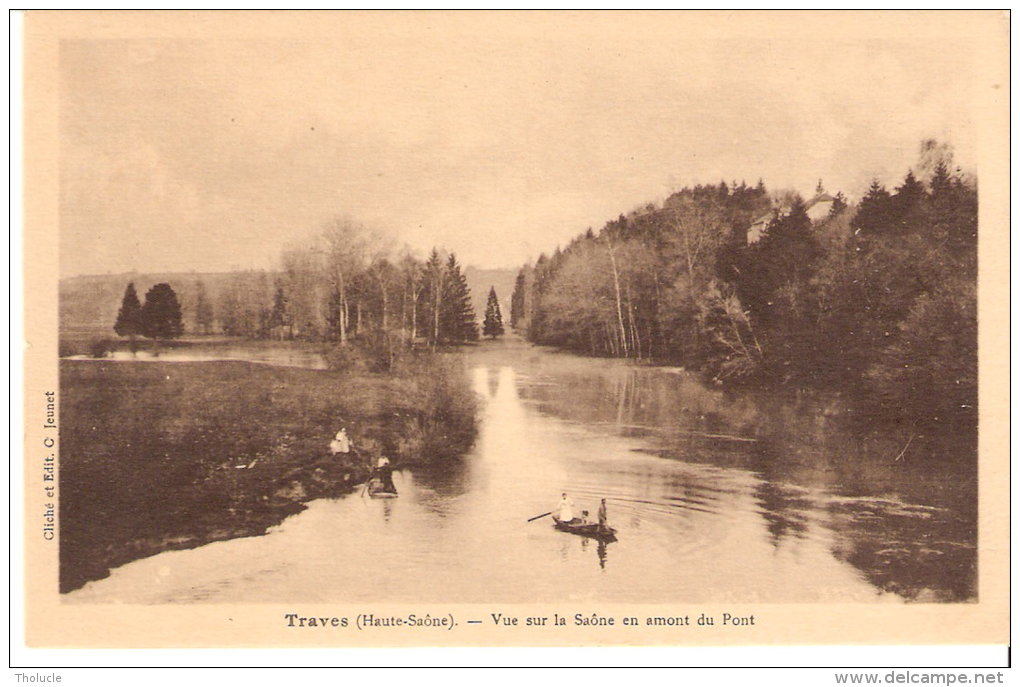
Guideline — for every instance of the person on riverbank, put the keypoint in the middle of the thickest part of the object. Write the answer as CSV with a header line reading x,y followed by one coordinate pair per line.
x,y
341,443
565,509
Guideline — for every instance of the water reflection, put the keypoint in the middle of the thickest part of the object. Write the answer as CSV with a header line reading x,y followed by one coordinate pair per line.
x,y
908,528
279,355
601,549
493,379
715,498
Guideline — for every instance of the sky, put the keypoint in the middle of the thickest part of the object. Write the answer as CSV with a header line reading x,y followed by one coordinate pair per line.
x,y
495,137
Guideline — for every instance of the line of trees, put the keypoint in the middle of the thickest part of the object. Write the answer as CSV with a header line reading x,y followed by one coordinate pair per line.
x,y
876,298
348,283
344,286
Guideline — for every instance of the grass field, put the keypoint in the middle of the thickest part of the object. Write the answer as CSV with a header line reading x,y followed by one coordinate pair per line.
x,y
157,456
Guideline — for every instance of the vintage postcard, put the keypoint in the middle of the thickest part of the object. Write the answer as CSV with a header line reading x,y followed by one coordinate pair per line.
x,y
389,329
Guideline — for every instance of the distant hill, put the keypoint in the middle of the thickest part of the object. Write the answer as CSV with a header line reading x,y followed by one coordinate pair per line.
x,y
480,280
91,302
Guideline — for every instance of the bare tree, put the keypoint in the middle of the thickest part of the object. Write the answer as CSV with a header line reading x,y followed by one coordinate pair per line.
x,y
302,279
616,290
413,275
349,247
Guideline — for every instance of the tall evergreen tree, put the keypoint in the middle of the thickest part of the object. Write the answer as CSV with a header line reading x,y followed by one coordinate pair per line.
x,y
161,314
874,214
129,321
493,324
790,244
954,213
457,316
517,301
909,205
839,204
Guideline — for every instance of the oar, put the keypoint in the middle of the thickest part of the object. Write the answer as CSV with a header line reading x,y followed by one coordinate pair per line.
x,y
540,516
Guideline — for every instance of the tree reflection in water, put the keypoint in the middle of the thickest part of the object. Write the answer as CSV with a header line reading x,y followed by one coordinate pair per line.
x,y
908,524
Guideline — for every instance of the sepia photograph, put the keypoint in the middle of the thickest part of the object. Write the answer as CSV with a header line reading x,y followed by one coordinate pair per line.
x,y
517,321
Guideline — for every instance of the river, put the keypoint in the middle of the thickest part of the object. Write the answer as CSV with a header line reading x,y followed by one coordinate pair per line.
x,y
715,497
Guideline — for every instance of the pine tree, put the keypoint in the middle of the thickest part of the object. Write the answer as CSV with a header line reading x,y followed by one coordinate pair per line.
x,y
161,314
279,316
518,300
941,181
874,214
908,205
789,245
129,316
456,316
203,309
493,325
839,204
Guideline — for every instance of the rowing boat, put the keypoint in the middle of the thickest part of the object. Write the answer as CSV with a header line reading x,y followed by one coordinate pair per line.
x,y
590,529
377,491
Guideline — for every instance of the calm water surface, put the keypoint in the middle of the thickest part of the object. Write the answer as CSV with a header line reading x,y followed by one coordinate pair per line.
x,y
714,499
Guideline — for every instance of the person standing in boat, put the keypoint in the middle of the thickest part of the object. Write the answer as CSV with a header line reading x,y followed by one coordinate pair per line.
x,y
603,518
565,509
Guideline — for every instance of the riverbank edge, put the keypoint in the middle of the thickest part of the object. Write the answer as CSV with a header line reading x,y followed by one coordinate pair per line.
x,y
303,486
234,462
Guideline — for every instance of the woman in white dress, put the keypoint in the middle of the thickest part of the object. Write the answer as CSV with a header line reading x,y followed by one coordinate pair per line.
x,y
565,510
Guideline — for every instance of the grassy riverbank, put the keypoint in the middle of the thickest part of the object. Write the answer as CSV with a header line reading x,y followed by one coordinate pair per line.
x,y
158,456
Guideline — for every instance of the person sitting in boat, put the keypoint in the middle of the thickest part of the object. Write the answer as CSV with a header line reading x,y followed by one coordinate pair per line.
x,y
565,509
584,518
384,473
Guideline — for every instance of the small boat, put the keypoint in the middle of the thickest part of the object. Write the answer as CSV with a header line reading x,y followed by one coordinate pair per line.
x,y
591,529
377,491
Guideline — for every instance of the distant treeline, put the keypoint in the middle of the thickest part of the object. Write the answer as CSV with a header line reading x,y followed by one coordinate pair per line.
x,y
877,298
342,286
345,284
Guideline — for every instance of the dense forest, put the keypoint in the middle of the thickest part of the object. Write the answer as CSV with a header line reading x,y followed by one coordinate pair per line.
x,y
876,299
